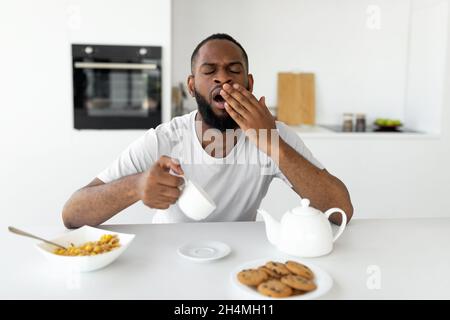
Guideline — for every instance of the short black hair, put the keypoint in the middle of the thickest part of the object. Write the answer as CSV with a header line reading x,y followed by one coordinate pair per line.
x,y
217,36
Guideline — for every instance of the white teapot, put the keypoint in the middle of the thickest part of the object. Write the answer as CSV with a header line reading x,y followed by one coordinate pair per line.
x,y
303,231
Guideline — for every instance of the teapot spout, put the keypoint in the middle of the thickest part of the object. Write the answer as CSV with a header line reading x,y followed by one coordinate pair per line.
x,y
272,227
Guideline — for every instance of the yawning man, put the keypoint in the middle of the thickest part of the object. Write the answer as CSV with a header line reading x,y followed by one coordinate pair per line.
x,y
231,146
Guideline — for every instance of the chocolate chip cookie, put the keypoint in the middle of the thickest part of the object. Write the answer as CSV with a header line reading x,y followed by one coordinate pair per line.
x,y
279,268
275,288
299,269
252,277
271,274
297,282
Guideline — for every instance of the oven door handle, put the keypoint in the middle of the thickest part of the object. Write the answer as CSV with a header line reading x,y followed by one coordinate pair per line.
x,y
115,65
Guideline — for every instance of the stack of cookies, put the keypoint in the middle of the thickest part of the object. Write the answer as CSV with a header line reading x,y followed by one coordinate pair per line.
x,y
279,280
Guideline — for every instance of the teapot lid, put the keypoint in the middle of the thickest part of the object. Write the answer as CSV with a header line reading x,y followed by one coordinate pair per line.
x,y
305,209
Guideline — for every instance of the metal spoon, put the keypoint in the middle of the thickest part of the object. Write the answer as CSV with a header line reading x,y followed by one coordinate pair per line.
x,y
26,234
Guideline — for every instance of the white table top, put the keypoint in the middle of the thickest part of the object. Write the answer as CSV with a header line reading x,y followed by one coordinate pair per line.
x,y
412,256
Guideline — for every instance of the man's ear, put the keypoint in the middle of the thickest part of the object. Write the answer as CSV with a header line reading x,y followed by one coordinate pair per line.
x,y
250,82
191,85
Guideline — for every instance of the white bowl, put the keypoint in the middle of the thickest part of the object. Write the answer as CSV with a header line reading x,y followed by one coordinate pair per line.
x,y
79,237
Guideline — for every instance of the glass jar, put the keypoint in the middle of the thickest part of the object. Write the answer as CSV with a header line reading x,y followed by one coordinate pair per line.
x,y
347,125
360,122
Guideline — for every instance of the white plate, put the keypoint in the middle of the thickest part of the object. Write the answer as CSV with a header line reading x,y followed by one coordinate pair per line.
x,y
204,251
322,279
79,237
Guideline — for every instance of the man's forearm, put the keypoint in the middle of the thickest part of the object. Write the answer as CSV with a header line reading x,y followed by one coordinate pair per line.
x,y
324,190
93,205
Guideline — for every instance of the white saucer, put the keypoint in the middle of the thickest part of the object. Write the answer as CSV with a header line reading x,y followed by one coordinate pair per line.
x,y
322,279
204,251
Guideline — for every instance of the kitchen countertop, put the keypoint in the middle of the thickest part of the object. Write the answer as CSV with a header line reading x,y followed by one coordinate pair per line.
x,y
373,259
327,131
369,129
331,132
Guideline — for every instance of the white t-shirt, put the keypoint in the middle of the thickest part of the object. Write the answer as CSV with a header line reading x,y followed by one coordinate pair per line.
x,y
237,182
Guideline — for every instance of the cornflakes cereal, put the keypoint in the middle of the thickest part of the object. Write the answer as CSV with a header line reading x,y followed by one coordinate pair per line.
x,y
106,243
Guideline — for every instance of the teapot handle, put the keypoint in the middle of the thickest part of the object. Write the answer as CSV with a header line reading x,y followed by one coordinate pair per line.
x,y
329,212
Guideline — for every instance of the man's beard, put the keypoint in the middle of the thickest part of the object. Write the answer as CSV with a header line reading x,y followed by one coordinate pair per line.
x,y
221,123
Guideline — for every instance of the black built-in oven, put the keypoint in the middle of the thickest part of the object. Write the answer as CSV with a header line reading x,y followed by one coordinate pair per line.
x,y
116,87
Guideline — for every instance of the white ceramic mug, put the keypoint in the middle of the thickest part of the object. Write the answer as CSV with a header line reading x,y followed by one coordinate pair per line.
x,y
194,201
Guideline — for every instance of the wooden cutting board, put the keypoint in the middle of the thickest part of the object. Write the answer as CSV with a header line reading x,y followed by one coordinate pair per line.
x,y
296,98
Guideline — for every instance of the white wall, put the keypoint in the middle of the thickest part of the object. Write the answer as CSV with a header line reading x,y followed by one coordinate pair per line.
x,y
426,64
43,159
358,68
